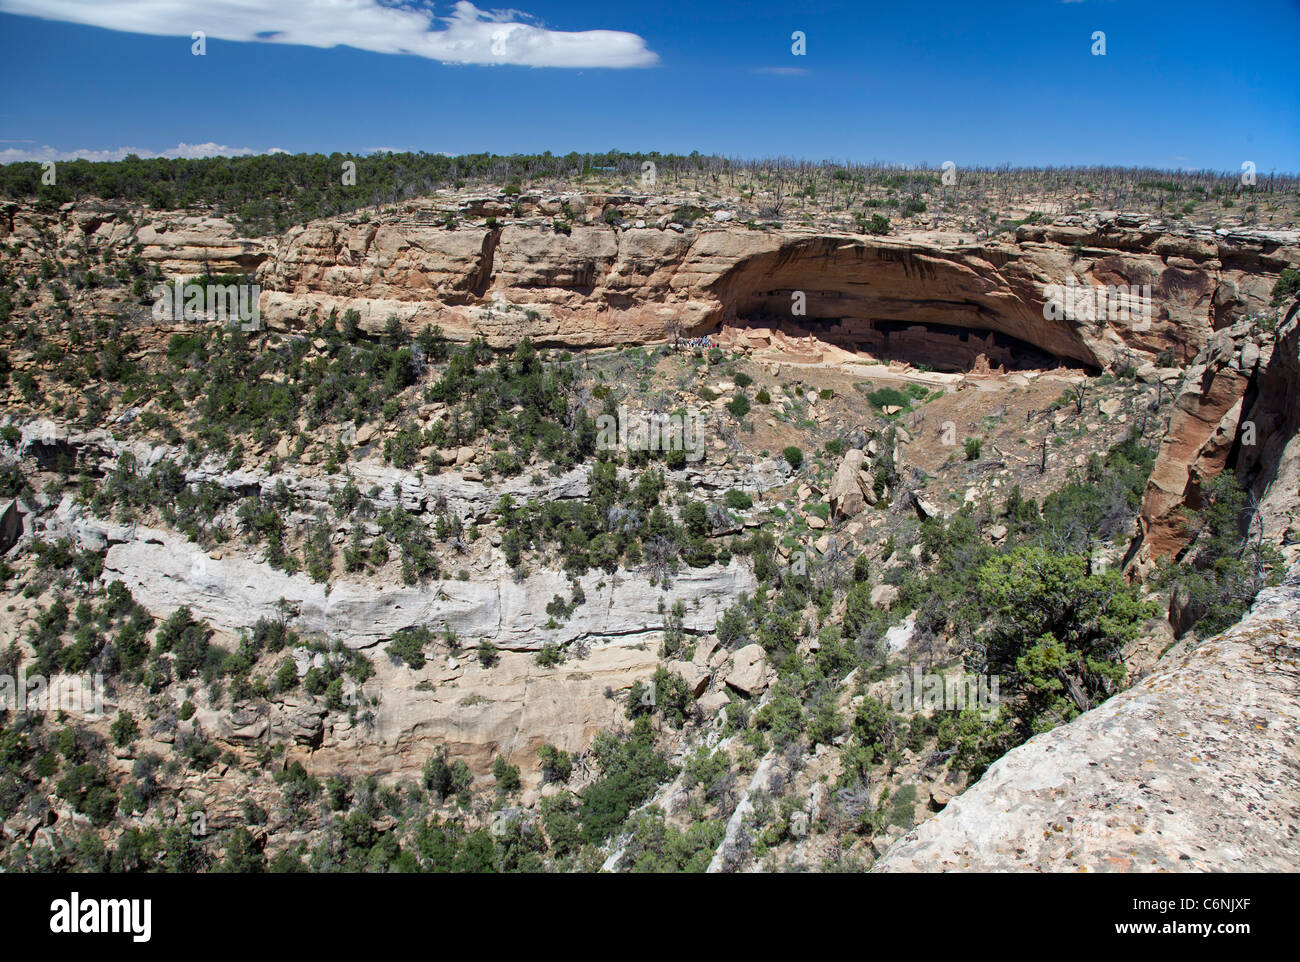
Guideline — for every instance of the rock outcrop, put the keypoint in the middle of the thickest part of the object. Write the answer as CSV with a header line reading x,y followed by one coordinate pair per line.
x,y
847,494
1191,770
164,572
181,244
599,286
941,301
454,701
477,713
1238,407
1271,466
455,491
186,246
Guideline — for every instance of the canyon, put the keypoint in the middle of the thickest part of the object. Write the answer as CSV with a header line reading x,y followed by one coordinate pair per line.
x,y
818,318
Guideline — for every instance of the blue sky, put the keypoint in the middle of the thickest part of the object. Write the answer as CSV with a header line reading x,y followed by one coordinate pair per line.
x,y
1192,84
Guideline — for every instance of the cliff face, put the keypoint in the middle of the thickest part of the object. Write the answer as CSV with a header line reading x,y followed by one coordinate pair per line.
x,y
181,243
1238,408
601,286
1191,770
592,284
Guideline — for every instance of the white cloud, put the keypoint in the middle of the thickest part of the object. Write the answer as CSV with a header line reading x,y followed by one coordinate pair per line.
x,y
468,36
186,151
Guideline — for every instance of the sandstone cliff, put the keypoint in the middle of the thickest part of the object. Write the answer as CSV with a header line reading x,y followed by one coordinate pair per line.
x,y
593,284
598,285
1238,407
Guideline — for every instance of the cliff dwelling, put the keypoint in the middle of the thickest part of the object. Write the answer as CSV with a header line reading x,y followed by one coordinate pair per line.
x,y
826,300
939,347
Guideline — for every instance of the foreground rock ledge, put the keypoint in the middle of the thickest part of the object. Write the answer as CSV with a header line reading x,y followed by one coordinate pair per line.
x,y
1196,768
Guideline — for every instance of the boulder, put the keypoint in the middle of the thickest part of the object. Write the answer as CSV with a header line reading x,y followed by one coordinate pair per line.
x,y
845,494
748,674
883,596
704,649
867,484
798,824
11,525
924,508
714,702
696,676
940,796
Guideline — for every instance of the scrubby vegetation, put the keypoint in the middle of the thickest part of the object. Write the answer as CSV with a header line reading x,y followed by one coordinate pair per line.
x,y
265,445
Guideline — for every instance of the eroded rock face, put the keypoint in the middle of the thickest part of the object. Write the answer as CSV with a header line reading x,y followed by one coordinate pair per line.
x,y
1202,430
1238,407
1271,466
600,286
510,709
186,246
180,243
748,673
457,492
1191,770
846,494
164,571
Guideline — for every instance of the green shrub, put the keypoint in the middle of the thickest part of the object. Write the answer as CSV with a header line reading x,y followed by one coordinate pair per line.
x,y
738,406
557,766
506,775
861,569
445,780
408,645
87,789
889,397
630,769
124,730
738,500
1287,286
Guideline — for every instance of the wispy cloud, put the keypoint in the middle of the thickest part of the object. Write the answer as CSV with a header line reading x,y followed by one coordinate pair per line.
x,y
782,71
186,151
467,36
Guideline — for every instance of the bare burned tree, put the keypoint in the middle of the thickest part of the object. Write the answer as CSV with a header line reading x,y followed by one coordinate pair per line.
x,y
1077,394
661,559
